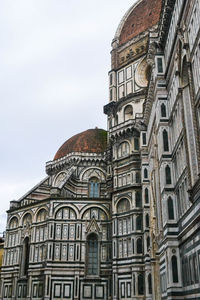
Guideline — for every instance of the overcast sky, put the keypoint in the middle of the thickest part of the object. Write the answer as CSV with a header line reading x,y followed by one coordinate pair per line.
x,y
54,60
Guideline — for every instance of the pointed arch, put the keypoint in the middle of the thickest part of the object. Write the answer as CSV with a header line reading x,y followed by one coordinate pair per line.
x,y
92,257
163,111
128,112
174,269
168,178
170,206
146,195
165,140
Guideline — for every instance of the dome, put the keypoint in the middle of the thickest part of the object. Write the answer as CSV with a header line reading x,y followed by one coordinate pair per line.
x,y
140,17
89,141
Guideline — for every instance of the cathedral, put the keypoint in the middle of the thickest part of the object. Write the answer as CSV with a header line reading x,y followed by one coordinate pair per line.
x,y
118,214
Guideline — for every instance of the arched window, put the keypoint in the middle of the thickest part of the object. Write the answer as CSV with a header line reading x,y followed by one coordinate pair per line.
x,y
146,195
13,223
147,220
165,140
25,256
94,187
170,205
110,123
163,111
139,222
174,269
124,149
139,246
145,173
140,284
96,213
123,205
150,284
41,216
128,112
148,243
138,199
27,219
66,213
168,175
92,254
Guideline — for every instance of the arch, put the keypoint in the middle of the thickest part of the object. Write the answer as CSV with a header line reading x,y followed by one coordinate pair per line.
x,y
139,246
149,284
27,219
123,149
146,195
65,213
94,212
163,110
41,215
165,140
147,220
140,284
92,254
13,223
123,205
168,178
138,199
170,206
139,222
92,206
128,112
174,269
93,172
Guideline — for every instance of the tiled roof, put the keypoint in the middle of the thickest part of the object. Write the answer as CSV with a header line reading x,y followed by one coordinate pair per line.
x,y
89,141
144,15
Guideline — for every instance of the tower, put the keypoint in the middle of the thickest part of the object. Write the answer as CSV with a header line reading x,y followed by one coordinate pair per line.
x,y
128,166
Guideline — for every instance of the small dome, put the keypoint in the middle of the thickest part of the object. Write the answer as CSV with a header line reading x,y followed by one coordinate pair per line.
x,y
89,141
139,18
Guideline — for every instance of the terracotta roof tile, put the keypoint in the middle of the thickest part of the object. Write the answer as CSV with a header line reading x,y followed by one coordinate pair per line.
x,y
90,141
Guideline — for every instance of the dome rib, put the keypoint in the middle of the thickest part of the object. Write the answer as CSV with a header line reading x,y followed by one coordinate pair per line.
x,y
89,141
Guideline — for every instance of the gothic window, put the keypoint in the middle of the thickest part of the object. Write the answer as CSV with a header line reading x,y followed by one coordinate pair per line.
x,y
140,284
124,149
138,199
146,195
139,246
174,269
92,254
13,223
145,173
165,140
150,284
94,188
144,138
160,65
25,257
136,144
168,175
170,205
66,213
41,216
139,222
147,220
123,205
128,112
110,123
163,111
